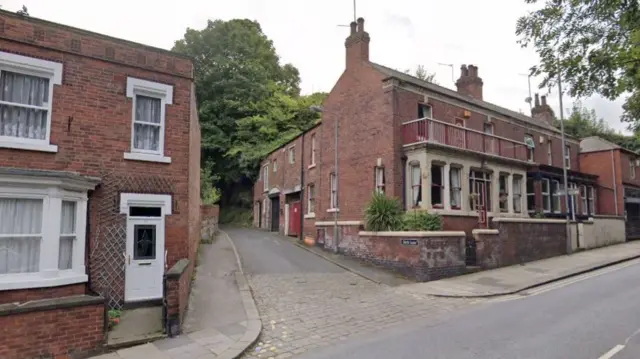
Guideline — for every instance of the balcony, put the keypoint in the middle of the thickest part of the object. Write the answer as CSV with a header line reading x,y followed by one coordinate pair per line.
x,y
426,130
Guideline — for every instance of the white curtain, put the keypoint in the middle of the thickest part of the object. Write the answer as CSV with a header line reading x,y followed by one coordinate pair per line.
x,y
18,121
415,184
147,123
67,234
454,174
20,252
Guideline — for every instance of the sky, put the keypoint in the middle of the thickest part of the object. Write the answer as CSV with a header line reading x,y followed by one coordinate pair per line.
x,y
310,34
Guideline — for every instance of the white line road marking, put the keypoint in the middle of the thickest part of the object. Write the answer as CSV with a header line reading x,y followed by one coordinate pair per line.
x,y
276,242
612,352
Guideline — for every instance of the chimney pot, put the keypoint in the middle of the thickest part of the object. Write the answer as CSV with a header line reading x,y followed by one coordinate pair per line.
x,y
469,83
360,24
537,101
464,72
473,71
544,100
353,27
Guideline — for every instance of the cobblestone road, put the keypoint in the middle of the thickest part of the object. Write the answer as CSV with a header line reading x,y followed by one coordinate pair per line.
x,y
305,311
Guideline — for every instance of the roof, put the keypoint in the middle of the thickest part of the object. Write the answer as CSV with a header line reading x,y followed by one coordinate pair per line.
x,y
597,144
453,94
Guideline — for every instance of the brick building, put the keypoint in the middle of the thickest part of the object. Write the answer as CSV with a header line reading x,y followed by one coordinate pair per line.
x,y
445,151
99,181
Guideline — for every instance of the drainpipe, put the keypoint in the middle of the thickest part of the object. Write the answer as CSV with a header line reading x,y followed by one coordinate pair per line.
x,y
615,183
302,189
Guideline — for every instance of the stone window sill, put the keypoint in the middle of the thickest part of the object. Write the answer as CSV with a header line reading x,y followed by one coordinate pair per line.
x,y
310,215
40,147
40,280
146,157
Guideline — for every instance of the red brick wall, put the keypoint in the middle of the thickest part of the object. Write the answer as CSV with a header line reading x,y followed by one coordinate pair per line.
x,y
91,125
601,164
58,333
25,295
521,242
195,218
177,296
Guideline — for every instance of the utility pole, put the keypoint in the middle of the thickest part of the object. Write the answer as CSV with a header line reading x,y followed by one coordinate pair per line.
x,y
529,99
564,161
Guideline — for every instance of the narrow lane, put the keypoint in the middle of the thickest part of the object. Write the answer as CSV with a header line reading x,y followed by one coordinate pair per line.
x,y
584,320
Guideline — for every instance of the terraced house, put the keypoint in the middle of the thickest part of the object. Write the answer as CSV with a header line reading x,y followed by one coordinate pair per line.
x,y
99,182
444,151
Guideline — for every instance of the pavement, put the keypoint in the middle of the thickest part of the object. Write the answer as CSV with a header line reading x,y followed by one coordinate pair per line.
x,y
592,316
222,319
307,303
517,278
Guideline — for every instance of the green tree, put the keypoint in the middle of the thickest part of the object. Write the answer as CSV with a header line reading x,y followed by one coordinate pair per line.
x,y
422,73
594,45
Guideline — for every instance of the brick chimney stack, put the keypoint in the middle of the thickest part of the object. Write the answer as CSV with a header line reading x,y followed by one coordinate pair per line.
x,y
357,44
541,111
469,83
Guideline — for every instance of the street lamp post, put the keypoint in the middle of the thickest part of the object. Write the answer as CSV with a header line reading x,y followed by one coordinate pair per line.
x,y
564,164
320,109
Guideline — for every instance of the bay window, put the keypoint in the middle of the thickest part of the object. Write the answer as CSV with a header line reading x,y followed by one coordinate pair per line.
x,y
437,186
557,197
504,192
416,186
517,194
455,184
546,195
531,195
42,236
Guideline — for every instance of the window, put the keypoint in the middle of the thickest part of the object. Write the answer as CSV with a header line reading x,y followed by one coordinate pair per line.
x,y
528,140
424,110
265,177
313,149
557,197
531,196
379,178
416,186
148,129
334,194
567,156
26,93
592,200
546,198
632,168
480,190
311,199
517,194
437,186
275,165
455,193
292,155
573,188
489,140
583,196
40,230
504,192
549,153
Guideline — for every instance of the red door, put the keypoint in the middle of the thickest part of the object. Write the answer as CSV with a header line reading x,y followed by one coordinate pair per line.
x,y
294,218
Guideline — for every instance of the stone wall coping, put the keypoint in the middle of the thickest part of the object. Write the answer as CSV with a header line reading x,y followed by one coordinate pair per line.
x,y
50,304
413,234
485,231
176,271
340,223
528,220
607,216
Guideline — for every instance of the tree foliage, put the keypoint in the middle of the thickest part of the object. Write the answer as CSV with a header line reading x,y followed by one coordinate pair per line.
x,y
248,101
422,73
594,45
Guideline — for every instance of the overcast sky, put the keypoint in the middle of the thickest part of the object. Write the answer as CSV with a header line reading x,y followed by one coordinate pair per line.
x,y
306,33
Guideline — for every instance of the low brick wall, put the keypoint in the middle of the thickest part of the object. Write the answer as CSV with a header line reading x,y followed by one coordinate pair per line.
x,y
346,230
521,240
423,256
67,327
209,215
176,295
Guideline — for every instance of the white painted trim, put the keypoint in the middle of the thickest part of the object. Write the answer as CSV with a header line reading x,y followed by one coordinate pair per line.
x,y
332,210
28,185
340,223
484,231
309,215
146,157
145,200
414,234
36,280
528,220
8,142
311,166
149,88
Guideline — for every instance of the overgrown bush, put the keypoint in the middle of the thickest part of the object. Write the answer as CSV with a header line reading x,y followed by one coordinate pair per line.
x,y
421,221
236,216
208,193
383,213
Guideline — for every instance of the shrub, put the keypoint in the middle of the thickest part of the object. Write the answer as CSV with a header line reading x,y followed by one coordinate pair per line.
x,y
421,221
383,213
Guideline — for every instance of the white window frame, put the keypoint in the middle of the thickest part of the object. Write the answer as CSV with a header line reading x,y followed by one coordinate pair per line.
x,y
504,209
591,196
138,87
415,187
313,150
265,177
292,154
583,196
632,168
549,153
275,165
556,197
455,191
567,156
52,194
40,68
546,196
441,187
379,175
311,188
517,193
333,199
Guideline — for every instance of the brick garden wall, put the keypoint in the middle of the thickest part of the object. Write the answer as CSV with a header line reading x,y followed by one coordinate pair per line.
x,y
210,215
177,286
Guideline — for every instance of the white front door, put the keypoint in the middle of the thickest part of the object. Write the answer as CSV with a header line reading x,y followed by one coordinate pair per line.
x,y
144,258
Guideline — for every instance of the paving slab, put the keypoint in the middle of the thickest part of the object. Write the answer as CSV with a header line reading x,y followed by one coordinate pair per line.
x,y
518,278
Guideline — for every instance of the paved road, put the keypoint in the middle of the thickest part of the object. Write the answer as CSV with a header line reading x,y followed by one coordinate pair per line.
x,y
598,317
307,303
